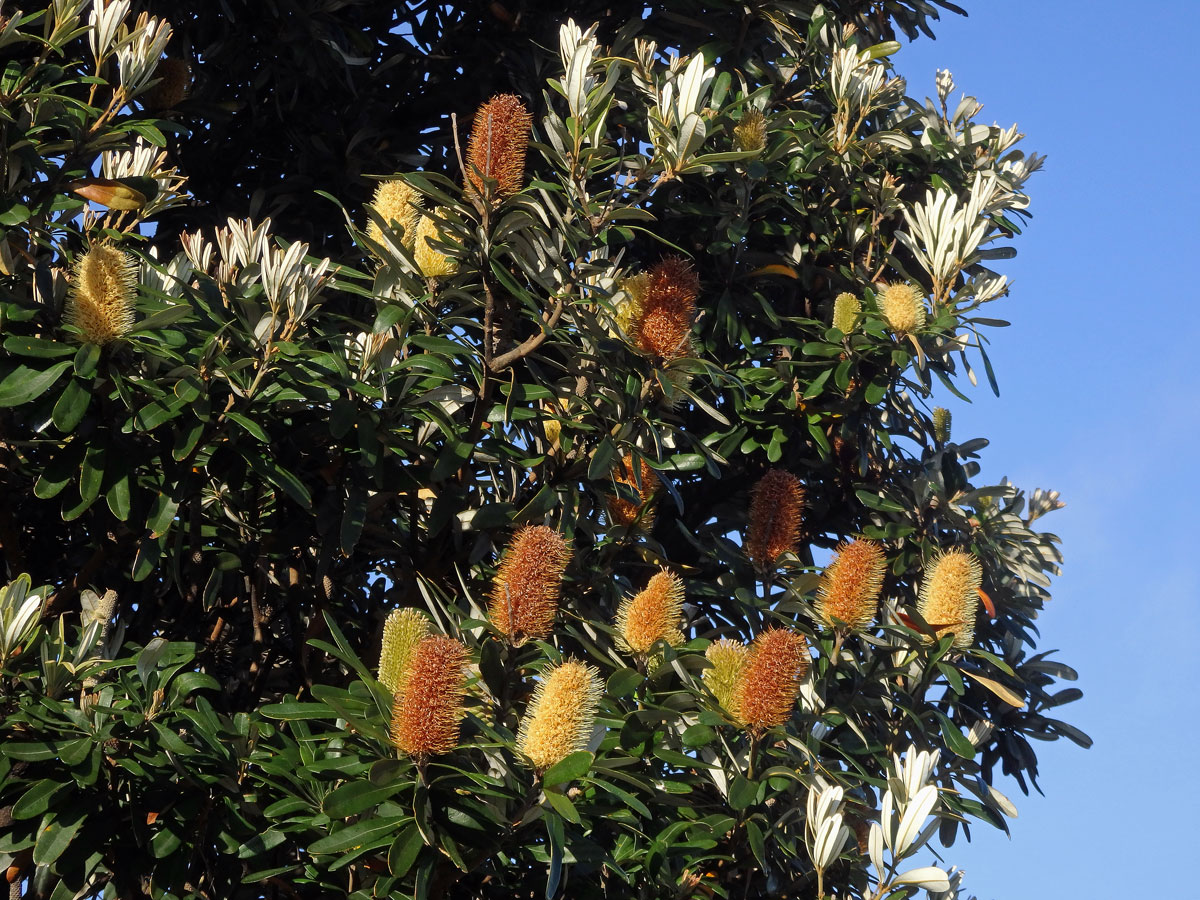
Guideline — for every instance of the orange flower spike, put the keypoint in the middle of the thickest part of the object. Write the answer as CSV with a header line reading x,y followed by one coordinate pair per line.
x,y
664,323
526,589
766,692
776,504
426,715
499,139
652,615
625,512
849,589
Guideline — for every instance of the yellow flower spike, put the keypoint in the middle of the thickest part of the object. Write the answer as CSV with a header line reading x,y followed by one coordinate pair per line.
x,y
766,692
949,596
426,716
846,310
629,309
496,150
432,262
728,658
750,134
902,307
652,615
100,301
849,588
396,201
776,505
526,589
560,717
402,631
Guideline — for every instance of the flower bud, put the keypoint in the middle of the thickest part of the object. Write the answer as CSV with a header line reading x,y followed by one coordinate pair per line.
x,y
846,310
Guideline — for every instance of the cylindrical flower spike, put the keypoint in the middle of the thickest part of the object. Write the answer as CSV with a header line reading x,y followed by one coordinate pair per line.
x,y
941,424
396,201
750,134
402,631
174,81
849,588
629,308
903,307
664,326
846,310
431,261
100,301
776,504
526,589
561,714
728,659
645,485
949,597
496,150
766,693
652,615
426,716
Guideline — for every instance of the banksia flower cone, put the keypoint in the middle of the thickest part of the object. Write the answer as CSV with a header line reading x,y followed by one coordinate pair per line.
x,y
526,588
100,301
849,589
902,307
949,597
766,693
499,139
750,134
561,714
625,512
846,310
652,615
427,714
396,201
431,261
664,324
175,80
403,630
629,310
941,424
776,504
728,659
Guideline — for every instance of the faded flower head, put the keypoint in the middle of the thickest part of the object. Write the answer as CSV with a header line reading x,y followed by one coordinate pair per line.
x,y
902,306
766,693
402,631
174,81
431,261
664,323
727,658
652,615
526,589
427,714
645,485
397,201
100,301
949,596
750,134
561,714
846,310
496,150
850,586
941,424
776,504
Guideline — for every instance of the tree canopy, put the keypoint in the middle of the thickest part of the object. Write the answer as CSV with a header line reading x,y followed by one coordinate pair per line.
x,y
470,450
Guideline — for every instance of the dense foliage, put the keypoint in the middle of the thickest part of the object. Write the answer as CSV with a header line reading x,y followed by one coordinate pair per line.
x,y
690,590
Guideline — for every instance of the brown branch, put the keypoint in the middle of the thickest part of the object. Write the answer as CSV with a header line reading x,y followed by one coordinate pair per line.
x,y
504,360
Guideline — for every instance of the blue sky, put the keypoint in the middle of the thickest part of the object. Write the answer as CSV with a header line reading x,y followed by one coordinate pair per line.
x,y
1097,400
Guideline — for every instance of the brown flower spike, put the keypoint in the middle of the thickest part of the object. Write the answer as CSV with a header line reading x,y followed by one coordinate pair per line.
x,y
427,714
766,692
949,597
560,716
626,512
100,301
776,504
664,323
499,139
653,614
850,586
526,589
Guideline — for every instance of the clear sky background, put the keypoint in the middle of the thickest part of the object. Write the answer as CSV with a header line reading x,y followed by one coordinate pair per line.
x,y
1098,400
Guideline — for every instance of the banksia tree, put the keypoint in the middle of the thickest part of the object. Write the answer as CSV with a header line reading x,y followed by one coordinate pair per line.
x,y
766,692
527,585
902,306
103,290
776,506
402,631
652,615
397,201
846,310
496,151
645,484
663,326
560,717
849,588
727,659
427,714
949,597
